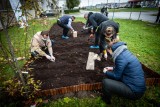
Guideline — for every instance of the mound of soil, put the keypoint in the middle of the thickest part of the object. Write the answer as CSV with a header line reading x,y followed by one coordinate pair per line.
x,y
71,59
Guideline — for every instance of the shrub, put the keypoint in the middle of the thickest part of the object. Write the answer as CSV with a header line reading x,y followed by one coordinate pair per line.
x,y
71,11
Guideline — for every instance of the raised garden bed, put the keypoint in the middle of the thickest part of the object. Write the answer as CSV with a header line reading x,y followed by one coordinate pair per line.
x,y
68,73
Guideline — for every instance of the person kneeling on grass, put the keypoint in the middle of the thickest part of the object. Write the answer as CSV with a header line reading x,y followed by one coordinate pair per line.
x,y
41,45
126,78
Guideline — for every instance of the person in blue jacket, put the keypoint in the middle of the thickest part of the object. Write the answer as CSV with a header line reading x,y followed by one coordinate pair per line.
x,y
65,22
126,78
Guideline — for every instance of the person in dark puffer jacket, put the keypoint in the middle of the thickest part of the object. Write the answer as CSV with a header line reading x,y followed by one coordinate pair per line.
x,y
95,20
88,23
108,31
126,79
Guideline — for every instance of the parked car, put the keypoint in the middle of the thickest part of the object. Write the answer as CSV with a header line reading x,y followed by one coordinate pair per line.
x,y
47,13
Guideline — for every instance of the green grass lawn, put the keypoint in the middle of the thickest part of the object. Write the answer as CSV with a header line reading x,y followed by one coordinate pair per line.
x,y
142,39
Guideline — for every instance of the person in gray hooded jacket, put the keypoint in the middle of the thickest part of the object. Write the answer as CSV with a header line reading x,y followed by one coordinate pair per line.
x,y
108,31
126,78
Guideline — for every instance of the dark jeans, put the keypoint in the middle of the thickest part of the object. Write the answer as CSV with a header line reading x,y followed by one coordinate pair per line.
x,y
97,37
103,45
64,26
110,87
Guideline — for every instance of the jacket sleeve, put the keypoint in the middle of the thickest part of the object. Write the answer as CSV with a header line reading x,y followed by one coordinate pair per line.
x,y
36,47
117,72
69,23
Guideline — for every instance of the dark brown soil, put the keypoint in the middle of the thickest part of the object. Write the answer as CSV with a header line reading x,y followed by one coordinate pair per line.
x,y
71,58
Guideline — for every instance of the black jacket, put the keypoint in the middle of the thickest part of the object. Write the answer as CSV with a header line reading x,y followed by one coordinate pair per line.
x,y
96,19
102,29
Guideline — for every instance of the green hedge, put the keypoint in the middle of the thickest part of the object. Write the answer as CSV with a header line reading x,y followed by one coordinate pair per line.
x,y
71,11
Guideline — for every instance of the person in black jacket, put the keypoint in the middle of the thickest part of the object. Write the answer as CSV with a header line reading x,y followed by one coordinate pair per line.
x,y
158,15
88,23
95,19
108,31
104,11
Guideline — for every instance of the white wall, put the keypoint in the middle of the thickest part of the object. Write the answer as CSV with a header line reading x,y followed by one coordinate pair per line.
x,y
46,5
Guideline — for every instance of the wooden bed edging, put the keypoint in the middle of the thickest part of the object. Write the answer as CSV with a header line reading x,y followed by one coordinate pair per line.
x,y
153,81
74,88
87,87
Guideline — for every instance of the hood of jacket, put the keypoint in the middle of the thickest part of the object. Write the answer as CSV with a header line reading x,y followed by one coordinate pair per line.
x,y
38,36
108,23
116,45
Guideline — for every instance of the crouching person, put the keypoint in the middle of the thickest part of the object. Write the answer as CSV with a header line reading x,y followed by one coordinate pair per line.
x,y
108,32
126,78
41,45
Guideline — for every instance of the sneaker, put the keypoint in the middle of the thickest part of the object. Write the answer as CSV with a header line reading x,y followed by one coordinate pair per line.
x,y
93,46
65,37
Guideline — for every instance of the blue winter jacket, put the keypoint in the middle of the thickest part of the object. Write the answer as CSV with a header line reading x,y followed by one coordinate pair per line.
x,y
127,69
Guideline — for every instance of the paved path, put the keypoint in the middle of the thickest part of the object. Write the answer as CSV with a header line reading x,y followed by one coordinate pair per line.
x,y
144,16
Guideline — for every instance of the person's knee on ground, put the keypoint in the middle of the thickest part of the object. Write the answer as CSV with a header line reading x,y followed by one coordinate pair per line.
x,y
106,96
34,54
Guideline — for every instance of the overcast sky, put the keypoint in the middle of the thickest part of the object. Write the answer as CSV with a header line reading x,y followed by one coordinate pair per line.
x,y
93,2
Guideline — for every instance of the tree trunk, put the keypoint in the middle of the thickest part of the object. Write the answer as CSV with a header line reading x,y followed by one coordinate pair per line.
x,y
12,52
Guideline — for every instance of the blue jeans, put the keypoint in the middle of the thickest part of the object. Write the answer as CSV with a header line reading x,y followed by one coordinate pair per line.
x,y
110,86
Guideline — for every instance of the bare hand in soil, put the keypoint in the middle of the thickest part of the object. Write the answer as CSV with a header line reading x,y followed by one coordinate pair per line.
x,y
105,56
91,36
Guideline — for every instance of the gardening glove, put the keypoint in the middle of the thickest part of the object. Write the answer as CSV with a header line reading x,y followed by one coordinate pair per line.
x,y
48,57
53,58
106,69
72,30
84,27
105,56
